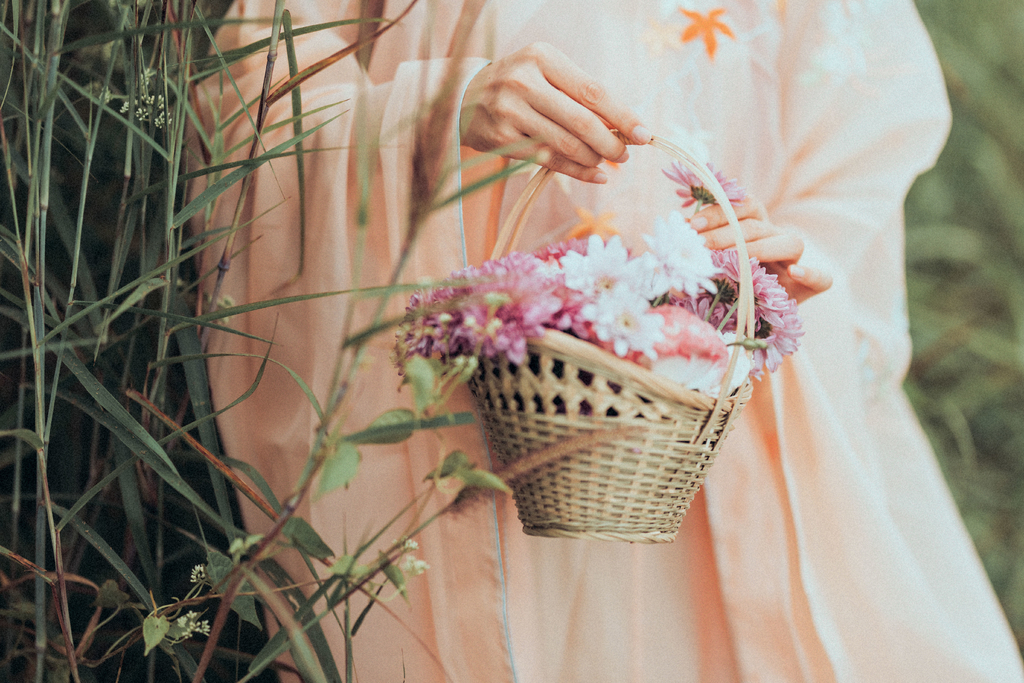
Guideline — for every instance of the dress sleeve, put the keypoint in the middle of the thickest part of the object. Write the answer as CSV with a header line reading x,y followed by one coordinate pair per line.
x,y
864,111
273,428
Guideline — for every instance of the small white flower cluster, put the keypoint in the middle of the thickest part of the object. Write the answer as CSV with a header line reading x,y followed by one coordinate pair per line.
x,y
413,566
147,106
190,623
621,288
199,574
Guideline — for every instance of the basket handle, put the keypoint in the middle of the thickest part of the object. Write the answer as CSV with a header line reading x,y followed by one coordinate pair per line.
x,y
512,228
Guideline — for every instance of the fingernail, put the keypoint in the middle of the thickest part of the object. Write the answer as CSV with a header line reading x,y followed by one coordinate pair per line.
x,y
698,223
623,159
600,177
641,135
797,272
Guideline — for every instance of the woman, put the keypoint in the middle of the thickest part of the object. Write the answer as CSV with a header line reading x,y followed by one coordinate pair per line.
x,y
826,546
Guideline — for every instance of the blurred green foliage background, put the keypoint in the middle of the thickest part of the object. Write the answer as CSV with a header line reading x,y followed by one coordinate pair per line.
x,y
965,268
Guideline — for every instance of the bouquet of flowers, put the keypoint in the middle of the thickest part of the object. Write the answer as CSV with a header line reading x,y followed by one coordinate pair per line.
x,y
671,309
604,378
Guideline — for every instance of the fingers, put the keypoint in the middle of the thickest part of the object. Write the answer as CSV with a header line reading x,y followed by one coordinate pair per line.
x,y
783,249
537,96
765,241
713,216
542,155
776,249
563,74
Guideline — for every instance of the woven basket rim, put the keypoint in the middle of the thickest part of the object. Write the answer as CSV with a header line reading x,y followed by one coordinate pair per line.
x,y
592,357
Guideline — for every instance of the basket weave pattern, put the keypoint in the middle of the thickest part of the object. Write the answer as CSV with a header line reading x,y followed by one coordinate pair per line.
x,y
636,464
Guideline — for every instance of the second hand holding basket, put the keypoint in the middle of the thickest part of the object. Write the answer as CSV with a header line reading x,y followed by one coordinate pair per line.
x,y
595,446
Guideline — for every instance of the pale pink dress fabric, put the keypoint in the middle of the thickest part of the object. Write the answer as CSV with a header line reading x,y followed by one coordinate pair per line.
x,y
826,546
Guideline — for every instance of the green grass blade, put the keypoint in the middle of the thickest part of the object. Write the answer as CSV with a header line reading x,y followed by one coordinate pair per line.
x,y
221,185
123,34
123,426
199,395
256,478
135,514
95,490
300,166
208,66
246,394
192,358
108,553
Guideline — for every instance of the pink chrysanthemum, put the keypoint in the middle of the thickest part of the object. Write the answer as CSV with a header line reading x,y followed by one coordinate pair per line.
x,y
552,253
693,190
507,301
777,322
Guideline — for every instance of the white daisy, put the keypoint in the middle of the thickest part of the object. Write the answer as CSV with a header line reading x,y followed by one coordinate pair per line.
x,y
624,319
601,270
684,263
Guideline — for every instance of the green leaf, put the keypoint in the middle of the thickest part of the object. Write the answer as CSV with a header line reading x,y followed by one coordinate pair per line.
x,y
99,486
26,435
143,30
420,375
176,631
455,461
482,479
240,546
154,629
245,606
216,62
373,434
299,532
457,465
395,576
154,455
110,596
346,566
257,478
218,565
339,469
394,426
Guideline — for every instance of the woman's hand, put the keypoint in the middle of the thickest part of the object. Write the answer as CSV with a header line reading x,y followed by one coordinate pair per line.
x,y
547,108
778,250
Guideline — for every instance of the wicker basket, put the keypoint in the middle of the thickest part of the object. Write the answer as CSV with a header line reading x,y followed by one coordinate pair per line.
x,y
596,447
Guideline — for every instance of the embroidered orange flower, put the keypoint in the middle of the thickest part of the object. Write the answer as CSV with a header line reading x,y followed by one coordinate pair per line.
x,y
704,27
593,225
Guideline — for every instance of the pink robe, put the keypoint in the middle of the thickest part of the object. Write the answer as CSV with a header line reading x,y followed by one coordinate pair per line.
x,y
825,546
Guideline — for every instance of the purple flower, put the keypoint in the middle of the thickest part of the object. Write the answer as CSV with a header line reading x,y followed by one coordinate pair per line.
x,y
501,304
777,322
693,190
